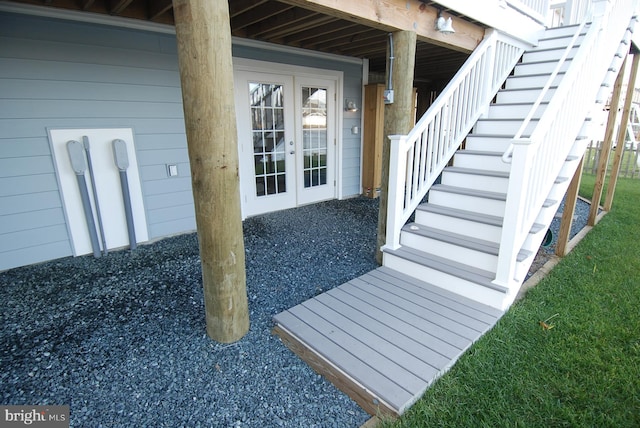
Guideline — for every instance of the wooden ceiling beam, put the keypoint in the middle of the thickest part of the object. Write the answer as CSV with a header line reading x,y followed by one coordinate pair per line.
x,y
356,38
118,6
308,37
86,4
157,8
237,7
284,28
394,15
257,14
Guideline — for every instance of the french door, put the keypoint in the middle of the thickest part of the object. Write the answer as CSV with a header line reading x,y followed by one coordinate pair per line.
x,y
286,137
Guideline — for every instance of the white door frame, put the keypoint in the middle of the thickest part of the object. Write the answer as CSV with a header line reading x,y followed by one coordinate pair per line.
x,y
244,67
252,204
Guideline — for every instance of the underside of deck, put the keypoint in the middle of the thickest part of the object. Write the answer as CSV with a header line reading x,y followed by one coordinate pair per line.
x,y
384,337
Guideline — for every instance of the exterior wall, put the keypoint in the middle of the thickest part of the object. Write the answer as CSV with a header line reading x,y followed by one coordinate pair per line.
x,y
63,74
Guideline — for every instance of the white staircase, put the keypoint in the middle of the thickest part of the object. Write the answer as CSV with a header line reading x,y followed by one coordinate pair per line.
x,y
455,238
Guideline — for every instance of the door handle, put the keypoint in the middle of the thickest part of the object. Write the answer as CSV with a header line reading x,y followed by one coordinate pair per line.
x,y
291,152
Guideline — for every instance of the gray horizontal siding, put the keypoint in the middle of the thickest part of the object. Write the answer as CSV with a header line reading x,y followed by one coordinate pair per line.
x,y
24,185
56,74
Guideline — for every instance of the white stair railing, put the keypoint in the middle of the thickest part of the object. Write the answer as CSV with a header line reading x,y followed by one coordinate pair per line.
x,y
538,158
537,9
568,12
417,159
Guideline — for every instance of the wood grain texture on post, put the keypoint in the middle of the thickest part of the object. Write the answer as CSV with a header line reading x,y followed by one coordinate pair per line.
x,y
206,73
398,117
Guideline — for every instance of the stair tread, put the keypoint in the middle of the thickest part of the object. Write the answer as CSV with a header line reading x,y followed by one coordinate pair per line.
x,y
531,88
464,241
472,171
482,152
548,37
504,119
554,48
453,238
520,76
470,192
462,214
541,61
515,104
492,220
479,276
489,136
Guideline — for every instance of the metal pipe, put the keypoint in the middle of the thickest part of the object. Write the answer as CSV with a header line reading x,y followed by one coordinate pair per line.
x,y
122,162
85,141
79,165
391,58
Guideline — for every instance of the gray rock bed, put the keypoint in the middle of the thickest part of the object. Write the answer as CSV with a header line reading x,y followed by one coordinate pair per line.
x,y
121,339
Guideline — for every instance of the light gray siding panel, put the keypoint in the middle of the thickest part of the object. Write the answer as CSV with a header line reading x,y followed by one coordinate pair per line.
x,y
67,71
36,254
161,141
159,171
87,109
36,28
161,187
33,237
29,202
25,221
152,172
162,157
60,90
171,213
177,198
158,230
23,147
23,166
78,53
21,185
30,128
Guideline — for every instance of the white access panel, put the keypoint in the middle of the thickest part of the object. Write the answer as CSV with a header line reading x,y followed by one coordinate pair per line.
x,y
107,181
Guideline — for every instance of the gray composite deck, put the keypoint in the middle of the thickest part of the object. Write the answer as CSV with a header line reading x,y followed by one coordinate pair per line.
x,y
384,337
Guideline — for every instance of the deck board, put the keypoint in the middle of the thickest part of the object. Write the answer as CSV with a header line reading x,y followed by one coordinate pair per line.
x,y
384,337
382,343
445,316
427,339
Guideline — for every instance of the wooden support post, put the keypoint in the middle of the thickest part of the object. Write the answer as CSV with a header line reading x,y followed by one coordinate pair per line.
x,y
620,143
606,148
206,73
568,211
398,117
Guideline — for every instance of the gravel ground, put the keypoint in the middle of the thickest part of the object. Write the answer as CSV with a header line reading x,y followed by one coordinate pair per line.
x,y
121,339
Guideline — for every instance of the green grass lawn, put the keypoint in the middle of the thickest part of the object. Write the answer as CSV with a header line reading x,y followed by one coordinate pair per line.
x,y
581,371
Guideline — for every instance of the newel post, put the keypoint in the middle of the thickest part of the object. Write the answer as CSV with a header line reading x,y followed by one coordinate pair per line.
x,y
204,52
515,212
397,189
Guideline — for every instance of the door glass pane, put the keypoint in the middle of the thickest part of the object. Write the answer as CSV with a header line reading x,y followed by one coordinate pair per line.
x,y
314,136
267,128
